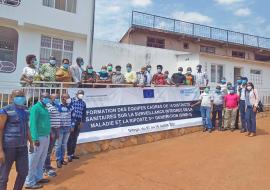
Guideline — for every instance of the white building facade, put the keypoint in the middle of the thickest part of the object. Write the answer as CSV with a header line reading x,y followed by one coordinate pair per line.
x,y
42,27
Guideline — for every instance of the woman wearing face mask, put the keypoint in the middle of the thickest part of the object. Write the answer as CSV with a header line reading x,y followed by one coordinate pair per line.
x,y
63,74
252,100
159,78
30,73
103,76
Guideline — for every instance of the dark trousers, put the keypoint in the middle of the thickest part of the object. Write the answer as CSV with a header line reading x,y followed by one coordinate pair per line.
x,y
237,120
242,110
217,110
72,140
53,136
20,157
251,119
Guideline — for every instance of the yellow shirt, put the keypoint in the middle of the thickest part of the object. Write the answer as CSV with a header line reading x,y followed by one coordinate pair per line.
x,y
131,77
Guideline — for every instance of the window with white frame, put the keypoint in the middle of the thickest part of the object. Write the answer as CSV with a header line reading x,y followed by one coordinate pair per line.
x,y
217,73
65,5
59,48
256,76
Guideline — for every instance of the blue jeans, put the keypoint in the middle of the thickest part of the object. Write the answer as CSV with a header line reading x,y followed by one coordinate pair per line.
x,y
54,135
20,157
36,161
61,143
242,110
205,112
251,119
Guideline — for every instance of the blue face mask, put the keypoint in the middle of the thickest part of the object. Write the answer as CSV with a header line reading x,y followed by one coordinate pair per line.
x,y
56,101
52,62
218,91
66,66
81,63
128,69
19,100
46,101
244,82
223,81
231,91
239,82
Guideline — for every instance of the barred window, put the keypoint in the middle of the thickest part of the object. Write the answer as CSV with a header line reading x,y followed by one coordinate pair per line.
x,y
59,48
155,42
256,77
208,49
217,73
65,5
11,2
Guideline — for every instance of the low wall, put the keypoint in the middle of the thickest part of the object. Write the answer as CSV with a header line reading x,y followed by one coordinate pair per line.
x,y
107,145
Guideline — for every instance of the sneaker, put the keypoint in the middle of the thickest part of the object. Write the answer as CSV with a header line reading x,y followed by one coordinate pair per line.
x,y
51,173
75,157
36,186
204,129
64,163
44,181
210,130
243,131
59,164
252,135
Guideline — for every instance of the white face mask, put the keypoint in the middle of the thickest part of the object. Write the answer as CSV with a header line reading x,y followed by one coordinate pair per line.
x,y
68,101
149,69
249,88
80,96
159,70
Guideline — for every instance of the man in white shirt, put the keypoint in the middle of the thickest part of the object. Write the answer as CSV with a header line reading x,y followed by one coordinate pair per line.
x,y
201,78
77,70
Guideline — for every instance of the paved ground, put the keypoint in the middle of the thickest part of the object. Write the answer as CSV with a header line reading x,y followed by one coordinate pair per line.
x,y
199,161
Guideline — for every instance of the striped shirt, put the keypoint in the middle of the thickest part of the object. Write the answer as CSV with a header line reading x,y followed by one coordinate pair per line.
x,y
65,113
54,116
200,79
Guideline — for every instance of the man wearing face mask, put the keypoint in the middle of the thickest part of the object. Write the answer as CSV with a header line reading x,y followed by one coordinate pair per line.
x,y
218,101
40,128
55,125
48,71
252,101
231,102
148,75
223,85
142,77
14,132
118,77
77,70
63,74
131,77
65,129
159,78
201,78
78,120
178,78
206,101
89,75
242,103
189,77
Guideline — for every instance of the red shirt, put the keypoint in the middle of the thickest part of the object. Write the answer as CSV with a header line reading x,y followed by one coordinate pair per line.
x,y
159,79
231,101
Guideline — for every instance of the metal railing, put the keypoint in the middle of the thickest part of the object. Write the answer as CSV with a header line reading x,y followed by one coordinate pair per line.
x,y
145,20
34,90
13,3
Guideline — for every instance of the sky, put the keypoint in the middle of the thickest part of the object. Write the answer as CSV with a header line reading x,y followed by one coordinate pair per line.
x,y
113,17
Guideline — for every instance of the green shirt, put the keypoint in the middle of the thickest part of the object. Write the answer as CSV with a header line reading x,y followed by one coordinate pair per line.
x,y
40,124
47,72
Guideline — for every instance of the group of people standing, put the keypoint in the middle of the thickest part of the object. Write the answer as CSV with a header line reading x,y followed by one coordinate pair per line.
x,y
55,122
50,73
232,105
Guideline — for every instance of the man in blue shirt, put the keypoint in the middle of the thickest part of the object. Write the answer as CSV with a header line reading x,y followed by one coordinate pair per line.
x,y
14,132
78,120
